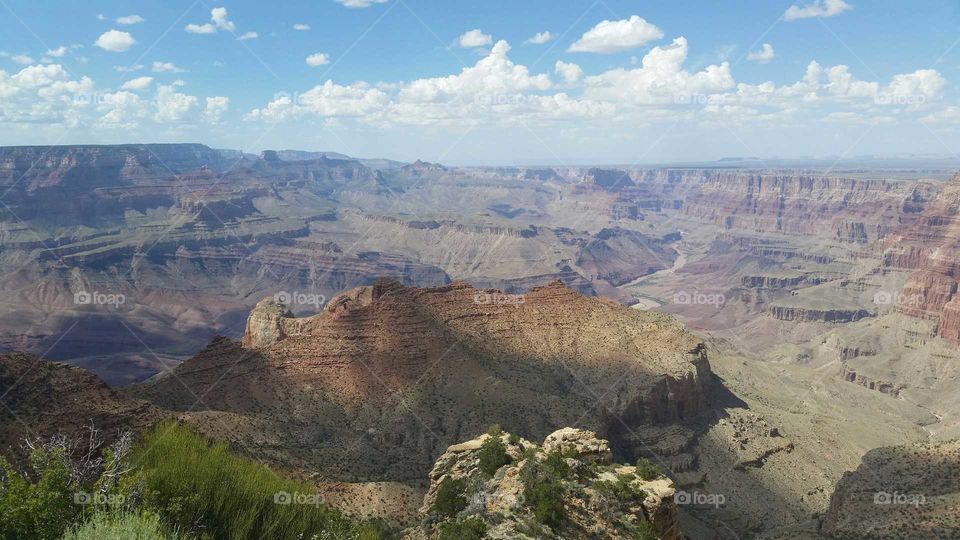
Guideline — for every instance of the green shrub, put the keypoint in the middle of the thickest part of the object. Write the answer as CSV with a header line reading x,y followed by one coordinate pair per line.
x,y
462,529
647,470
513,439
120,526
494,430
556,465
450,499
622,489
543,492
42,507
199,487
645,531
493,455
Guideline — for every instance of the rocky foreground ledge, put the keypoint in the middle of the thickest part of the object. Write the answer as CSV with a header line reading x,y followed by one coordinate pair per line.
x,y
502,486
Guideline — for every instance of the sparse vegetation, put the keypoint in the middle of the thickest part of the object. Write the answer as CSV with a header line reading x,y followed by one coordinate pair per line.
x,y
622,489
450,498
543,492
462,529
493,455
647,470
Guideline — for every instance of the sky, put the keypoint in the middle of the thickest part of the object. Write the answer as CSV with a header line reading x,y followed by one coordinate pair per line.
x,y
491,82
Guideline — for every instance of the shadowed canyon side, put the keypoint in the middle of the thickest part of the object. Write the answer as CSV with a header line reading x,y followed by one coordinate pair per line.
x,y
387,376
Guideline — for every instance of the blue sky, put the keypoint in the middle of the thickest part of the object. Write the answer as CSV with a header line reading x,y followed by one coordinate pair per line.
x,y
615,80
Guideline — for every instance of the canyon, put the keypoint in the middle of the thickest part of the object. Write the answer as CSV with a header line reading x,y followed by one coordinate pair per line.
x,y
351,319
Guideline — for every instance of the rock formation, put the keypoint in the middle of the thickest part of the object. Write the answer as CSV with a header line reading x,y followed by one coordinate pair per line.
x,y
598,499
397,374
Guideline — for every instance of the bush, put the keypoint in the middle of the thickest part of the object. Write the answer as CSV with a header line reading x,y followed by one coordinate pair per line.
x,y
513,439
43,508
556,465
450,499
543,491
647,470
622,489
462,529
120,526
493,455
200,488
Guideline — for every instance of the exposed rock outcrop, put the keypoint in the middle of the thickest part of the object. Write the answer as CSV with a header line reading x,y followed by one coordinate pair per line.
x,y
595,498
421,368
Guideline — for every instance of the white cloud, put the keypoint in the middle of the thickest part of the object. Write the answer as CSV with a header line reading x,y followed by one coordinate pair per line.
x,y
172,106
661,79
218,21
301,27
140,83
201,28
22,59
219,17
474,38
115,41
248,35
540,38
318,59
59,52
360,3
764,55
131,19
216,107
571,73
128,69
816,8
614,36
166,67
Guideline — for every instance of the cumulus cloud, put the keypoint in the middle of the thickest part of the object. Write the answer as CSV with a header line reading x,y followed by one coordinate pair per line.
x,y
540,38
130,19
166,67
360,3
218,21
22,59
661,78
115,41
59,52
215,109
219,17
128,69
474,38
301,27
171,105
140,83
200,28
816,8
318,59
764,55
571,73
248,35
614,36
